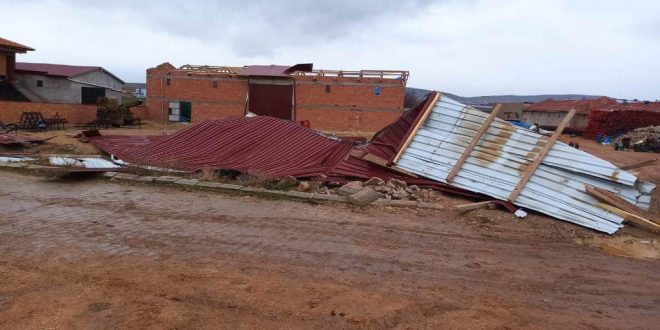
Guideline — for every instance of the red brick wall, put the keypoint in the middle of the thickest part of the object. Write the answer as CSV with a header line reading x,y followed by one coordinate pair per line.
x,y
350,106
10,112
227,99
139,111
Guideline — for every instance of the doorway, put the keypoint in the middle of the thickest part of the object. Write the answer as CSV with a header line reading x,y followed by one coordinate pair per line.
x,y
272,98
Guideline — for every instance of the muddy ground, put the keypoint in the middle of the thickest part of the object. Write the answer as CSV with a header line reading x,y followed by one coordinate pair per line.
x,y
102,254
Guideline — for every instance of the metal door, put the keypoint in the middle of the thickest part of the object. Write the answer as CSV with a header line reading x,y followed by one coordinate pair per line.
x,y
271,100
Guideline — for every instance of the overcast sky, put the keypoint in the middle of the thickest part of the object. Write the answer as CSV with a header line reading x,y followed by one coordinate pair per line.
x,y
471,47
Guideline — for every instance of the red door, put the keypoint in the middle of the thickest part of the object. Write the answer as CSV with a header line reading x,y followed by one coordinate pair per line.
x,y
271,100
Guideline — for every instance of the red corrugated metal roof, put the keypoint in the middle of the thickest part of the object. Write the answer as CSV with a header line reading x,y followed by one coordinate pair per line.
x,y
4,43
15,139
386,143
262,146
58,70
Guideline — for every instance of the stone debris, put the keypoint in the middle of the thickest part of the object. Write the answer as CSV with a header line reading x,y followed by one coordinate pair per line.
x,y
364,197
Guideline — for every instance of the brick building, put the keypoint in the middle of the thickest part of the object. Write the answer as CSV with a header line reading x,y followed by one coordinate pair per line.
x,y
8,51
344,101
60,83
549,113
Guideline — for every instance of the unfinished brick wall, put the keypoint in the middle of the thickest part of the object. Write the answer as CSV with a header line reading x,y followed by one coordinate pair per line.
x,y
347,104
10,112
224,98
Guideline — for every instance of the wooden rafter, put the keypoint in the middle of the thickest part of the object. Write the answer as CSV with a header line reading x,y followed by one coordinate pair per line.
x,y
539,158
419,123
482,130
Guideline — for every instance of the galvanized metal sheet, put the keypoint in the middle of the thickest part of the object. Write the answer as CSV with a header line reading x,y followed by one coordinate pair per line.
x,y
501,157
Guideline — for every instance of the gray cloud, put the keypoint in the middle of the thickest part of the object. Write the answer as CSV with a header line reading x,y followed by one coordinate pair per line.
x,y
259,27
471,47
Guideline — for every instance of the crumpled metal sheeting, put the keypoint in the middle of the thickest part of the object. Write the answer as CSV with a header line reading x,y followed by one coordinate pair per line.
x,y
557,188
262,146
387,142
16,139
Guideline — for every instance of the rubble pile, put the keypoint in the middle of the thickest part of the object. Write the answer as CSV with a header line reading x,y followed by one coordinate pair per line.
x,y
640,134
392,189
645,139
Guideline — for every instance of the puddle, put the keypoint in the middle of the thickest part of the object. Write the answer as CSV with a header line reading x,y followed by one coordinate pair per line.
x,y
625,246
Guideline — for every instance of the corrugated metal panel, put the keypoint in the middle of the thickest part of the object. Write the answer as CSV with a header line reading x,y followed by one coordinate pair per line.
x,y
14,139
496,165
389,140
263,146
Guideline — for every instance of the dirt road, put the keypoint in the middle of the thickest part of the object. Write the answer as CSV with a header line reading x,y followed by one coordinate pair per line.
x,y
97,254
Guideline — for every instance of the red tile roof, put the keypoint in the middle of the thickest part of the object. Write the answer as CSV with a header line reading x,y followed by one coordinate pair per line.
x,y
15,46
581,106
58,70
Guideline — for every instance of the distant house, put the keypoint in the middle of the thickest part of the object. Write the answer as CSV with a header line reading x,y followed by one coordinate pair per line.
x,y
136,90
58,83
8,51
549,113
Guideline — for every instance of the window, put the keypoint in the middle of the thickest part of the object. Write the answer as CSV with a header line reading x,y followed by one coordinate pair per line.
x,y
377,90
91,95
168,81
40,83
215,84
327,88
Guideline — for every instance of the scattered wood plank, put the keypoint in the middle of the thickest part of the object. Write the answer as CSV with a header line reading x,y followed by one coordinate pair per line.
x,y
612,199
632,218
466,153
539,158
412,134
640,164
472,206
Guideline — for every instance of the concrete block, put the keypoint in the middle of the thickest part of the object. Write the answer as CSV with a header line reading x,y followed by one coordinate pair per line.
x,y
209,184
228,186
146,178
364,196
276,192
347,191
399,203
431,206
299,194
331,198
187,182
253,190
125,176
167,178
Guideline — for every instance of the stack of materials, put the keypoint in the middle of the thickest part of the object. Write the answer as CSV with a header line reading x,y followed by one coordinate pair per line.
x,y
612,123
640,134
511,163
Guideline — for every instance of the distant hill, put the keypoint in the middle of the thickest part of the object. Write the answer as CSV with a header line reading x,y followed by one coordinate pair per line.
x,y
416,95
